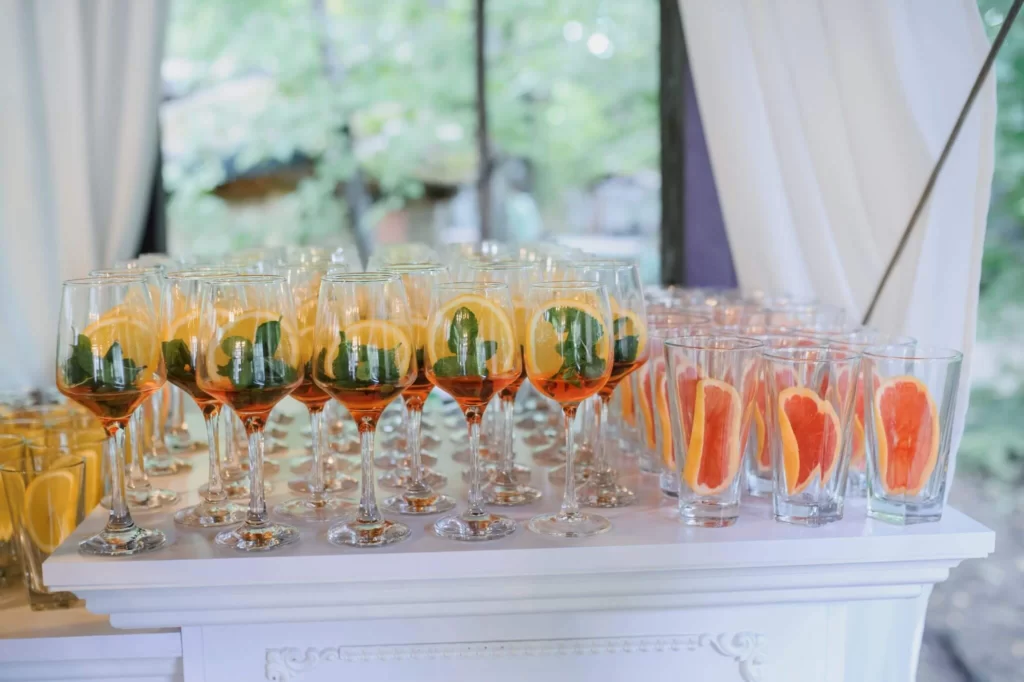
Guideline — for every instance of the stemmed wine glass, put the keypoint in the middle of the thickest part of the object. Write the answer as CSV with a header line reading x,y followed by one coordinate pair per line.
x,y
419,496
249,358
630,351
109,361
182,305
504,488
364,356
569,357
304,283
472,354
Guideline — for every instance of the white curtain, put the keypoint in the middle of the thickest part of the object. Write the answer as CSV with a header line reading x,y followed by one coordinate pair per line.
x,y
79,92
823,120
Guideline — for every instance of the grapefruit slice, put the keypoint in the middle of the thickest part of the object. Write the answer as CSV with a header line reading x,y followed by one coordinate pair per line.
x,y
857,455
715,449
907,432
646,402
811,437
628,407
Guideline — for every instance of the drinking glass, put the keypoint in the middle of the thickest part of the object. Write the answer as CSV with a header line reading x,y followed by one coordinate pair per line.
x,y
909,423
419,496
473,354
409,252
141,458
569,357
109,360
182,308
249,358
505,487
652,398
757,459
12,451
810,404
630,350
45,502
304,284
711,382
364,357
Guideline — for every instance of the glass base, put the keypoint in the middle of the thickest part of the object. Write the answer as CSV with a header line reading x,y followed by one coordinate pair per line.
x,y
274,447
758,486
146,500
604,491
358,533
269,466
856,484
648,463
510,495
904,513
474,527
210,515
333,465
332,484
181,442
258,538
427,442
133,540
400,479
238,489
669,483
807,514
583,474
564,525
708,514
277,433
520,472
167,465
486,455
305,509
418,504
551,456
346,446
395,461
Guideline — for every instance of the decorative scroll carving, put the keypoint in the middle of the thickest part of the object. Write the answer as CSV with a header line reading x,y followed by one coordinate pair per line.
x,y
290,664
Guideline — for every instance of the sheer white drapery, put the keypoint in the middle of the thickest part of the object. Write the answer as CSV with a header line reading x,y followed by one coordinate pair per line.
x,y
78,142
823,121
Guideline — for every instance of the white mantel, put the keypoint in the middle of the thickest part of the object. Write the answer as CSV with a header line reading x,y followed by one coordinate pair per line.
x,y
757,601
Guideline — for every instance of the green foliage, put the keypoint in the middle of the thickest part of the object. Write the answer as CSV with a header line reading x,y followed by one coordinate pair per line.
x,y
359,366
398,76
626,346
470,352
178,360
580,335
112,372
251,364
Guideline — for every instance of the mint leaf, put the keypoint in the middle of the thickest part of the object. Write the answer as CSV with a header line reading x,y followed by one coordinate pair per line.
x,y
449,367
626,348
581,332
268,336
463,330
78,368
178,359
485,350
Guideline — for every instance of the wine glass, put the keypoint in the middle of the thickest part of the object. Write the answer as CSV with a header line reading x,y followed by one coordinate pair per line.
x,y
409,252
419,497
630,351
473,354
569,358
304,283
249,358
109,361
143,460
504,489
364,356
182,307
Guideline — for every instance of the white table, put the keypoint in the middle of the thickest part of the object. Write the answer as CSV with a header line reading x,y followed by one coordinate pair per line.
x,y
651,600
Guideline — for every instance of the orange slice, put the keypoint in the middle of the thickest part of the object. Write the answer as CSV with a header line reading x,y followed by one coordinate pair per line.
x,y
51,501
715,449
811,437
493,324
907,433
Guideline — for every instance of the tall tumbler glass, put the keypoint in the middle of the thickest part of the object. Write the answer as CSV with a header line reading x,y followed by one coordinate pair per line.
x,y
711,384
909,424
811,408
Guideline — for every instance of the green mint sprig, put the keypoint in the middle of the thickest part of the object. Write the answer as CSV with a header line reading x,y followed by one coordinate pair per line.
x,y
579,347
178,360
112,372
470,352
251,364
626,346
359,365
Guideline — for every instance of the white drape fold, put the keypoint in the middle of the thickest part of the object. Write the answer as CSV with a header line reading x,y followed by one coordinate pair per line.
x,y
78,144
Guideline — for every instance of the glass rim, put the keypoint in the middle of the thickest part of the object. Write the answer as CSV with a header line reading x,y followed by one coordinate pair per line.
x,y
143,270
247,279
104,281
610,263
784,354
374,276
27,464
501,265
669,318
567,285
742,343
471,286
406,268
198,273
919,352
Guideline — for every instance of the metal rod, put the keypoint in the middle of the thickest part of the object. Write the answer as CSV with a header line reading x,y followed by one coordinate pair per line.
x,y
930,185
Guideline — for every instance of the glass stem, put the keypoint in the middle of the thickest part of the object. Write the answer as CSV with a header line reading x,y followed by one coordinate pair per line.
x,y
120,518
257,515
368,512
508,456
157,402
137,479
601,465
570,506
414,424
476,498
317,434
215,489
230,452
